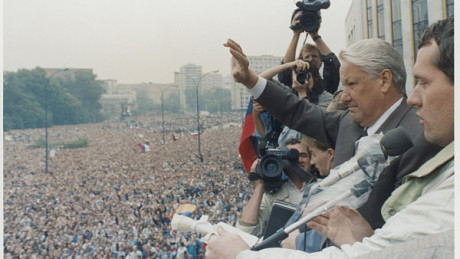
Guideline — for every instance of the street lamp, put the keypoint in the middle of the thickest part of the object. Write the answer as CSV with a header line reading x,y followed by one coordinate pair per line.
x,y
162,117
198,128
46,115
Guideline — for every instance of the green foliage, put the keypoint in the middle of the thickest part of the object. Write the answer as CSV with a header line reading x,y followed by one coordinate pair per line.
x,y
39,144
171,104
28,94
79,143
144,104
213,100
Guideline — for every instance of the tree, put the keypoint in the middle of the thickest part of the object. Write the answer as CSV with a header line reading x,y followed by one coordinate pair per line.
x,y
145,104
22,108
172,103
88,92
213,100
28,93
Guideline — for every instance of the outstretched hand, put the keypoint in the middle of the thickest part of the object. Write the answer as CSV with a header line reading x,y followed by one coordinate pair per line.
x,y
240,65
225,245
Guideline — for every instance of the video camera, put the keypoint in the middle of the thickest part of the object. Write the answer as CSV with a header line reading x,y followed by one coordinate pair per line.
x,y
272,162
311,14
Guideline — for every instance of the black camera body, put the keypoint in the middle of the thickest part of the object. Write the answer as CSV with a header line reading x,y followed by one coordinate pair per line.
x,y
272,162
311,14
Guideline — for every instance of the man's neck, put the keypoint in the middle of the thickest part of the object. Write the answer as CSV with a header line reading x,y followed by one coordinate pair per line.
x,y
297,181
379,122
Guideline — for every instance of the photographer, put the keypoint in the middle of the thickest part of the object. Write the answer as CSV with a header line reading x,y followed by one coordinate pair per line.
x,y
306,83
419,213
318,54
255,214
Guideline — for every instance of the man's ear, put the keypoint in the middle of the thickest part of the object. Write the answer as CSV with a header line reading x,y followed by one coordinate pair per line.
x,y
386,79
331,153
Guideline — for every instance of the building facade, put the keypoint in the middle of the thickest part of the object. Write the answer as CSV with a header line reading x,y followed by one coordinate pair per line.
x,y
240,97
191,76
399,22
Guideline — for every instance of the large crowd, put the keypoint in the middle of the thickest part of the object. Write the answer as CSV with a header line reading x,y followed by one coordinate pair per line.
x,y
110,199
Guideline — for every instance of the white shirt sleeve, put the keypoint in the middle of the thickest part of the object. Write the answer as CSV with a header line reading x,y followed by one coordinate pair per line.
x,y
257,90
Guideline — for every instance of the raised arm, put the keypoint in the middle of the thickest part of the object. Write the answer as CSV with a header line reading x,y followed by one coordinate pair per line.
x,y
240,65
297,64
291,50
323,48
331,75
256,110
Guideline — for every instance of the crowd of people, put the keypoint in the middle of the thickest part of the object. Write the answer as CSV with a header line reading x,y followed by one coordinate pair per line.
x,y
115,198
110,199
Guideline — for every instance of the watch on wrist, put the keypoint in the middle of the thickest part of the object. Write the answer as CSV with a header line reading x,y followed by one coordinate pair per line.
x,y
252,176
316,37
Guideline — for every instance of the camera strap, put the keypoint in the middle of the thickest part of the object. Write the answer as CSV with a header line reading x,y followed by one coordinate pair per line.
x,y
306,177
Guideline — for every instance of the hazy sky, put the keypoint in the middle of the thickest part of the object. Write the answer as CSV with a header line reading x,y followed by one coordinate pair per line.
x,y
136,41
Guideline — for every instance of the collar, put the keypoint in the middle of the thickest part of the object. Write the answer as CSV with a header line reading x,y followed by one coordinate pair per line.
x,y
293,186
443,156
373,129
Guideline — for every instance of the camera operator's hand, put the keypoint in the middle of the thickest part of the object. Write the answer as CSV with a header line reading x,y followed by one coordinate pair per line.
x,y
315,33
259,184
250,213
240,65
299,65
295,21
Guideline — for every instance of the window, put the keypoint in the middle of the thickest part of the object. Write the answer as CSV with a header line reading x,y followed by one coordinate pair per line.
x,y
450,7
419,20
396,25
380,19
370,31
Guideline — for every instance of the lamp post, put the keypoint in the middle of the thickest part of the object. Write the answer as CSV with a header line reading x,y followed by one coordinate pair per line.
x,y
162,117
198,128
46,116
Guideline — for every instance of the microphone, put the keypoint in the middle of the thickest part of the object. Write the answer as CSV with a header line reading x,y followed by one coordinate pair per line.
x,y
371,154
393,143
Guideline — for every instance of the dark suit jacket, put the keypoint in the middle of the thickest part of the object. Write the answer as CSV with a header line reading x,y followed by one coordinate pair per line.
x,y
338,129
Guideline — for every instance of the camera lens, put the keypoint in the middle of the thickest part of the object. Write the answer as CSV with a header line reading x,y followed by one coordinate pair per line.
x,y
309,21
302,76
271,166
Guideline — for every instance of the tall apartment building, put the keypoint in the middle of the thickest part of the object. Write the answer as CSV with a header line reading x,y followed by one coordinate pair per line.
x,y
240,97
399,22
190,75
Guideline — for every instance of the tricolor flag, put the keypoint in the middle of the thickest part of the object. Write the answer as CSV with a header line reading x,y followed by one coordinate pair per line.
x,y
143,147
248,143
